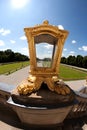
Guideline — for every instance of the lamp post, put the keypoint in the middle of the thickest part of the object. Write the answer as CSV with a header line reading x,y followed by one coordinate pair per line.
x,y
45,44
42,92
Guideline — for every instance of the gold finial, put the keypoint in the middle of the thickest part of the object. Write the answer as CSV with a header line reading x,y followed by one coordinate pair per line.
x,y
46,22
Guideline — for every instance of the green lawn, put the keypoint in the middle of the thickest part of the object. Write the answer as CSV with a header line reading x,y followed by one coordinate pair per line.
x,y
67,73
46,63
9,68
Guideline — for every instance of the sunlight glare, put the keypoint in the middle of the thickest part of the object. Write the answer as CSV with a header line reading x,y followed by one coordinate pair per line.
x,y
18,3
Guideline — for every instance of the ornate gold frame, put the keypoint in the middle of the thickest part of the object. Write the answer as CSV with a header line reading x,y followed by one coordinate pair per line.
x,y
39,75
45,28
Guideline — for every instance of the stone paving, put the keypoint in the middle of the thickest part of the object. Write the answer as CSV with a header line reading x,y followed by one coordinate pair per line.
x,y
16,77
76,85
5,126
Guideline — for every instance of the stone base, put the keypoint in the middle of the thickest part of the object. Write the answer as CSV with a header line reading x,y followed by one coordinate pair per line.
x,y
43,98
40,115
43,107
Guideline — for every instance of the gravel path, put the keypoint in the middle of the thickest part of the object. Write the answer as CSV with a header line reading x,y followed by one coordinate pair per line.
x,y
16,77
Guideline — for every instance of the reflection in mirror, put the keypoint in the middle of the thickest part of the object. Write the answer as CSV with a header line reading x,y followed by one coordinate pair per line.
x,y
44,52
45,45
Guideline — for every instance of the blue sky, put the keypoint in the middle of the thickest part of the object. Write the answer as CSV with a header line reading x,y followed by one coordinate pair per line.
x,y
15,15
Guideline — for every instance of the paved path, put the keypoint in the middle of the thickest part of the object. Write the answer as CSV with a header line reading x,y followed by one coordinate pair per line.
x,y
12,79
16,77
76,84
5,126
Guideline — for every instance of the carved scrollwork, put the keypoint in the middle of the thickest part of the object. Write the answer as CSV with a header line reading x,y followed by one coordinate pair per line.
x,y
55,37
33,84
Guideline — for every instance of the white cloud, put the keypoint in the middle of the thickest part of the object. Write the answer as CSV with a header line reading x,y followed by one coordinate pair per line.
x,y
73,41
1,30
12,41
2,43
65,49
49,52
72,53
80,48
4,32
61,27
23,37
3,49
83,48
25,51
48,46
62,54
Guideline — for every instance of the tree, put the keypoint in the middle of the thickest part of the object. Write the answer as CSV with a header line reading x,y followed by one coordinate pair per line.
x,y
9,56
79,61
47,59
20,57
84,62
63,60
71,60
1,54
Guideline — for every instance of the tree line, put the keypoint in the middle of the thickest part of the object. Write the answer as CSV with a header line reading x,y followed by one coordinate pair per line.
x,y
79,61
9,56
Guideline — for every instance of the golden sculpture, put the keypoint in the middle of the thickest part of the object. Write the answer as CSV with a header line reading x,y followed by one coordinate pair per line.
x,y
53,36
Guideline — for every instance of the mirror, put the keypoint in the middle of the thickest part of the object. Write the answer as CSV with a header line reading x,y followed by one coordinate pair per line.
x,y
44,53
45,50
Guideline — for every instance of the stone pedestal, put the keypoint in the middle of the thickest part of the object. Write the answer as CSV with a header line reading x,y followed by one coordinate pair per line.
x,y
42,107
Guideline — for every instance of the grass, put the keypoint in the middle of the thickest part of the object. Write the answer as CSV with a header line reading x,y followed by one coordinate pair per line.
x,y
12,67
46,63
67,73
